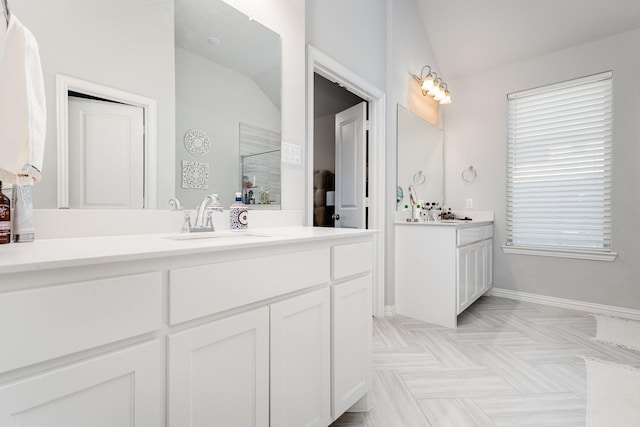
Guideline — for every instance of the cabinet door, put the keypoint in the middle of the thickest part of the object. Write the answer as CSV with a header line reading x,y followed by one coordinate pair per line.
x,y
475,272
300,361
219,372
463,256
487,261
118,389
469,275
352,342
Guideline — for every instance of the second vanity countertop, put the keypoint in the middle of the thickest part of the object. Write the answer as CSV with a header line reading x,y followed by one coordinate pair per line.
x,y
456,223
59,253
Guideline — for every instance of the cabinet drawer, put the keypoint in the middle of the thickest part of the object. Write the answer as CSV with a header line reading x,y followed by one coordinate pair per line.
x,y
199,291
352,259
44,323
474,234
116,389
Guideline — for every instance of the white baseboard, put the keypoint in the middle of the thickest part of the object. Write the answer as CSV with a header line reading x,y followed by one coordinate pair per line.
x,y
390,310
628,313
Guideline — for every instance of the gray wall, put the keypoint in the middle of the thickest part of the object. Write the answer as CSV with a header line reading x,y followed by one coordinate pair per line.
x,y
409,51
383,41
287,18
475,134
216,100
353,33
324,143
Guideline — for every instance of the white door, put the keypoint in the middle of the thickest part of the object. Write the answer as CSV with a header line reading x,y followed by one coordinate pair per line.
x,y
219,373
106,155
351,167
117,389
301,361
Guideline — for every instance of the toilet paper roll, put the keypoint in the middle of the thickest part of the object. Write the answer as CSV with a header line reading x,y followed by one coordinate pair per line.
x,y
320,197
331,198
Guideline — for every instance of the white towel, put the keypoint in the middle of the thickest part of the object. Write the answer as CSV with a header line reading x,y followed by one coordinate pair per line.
x,y
23,111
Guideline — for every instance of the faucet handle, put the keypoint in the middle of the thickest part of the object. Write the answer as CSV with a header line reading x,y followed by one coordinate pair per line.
x,y
174,204
215,204
186,224
209,224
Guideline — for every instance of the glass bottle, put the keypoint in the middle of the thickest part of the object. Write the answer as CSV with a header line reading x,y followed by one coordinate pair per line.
x,y
5,218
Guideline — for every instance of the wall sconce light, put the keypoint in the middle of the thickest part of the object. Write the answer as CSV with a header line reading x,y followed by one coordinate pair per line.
x,y
433,85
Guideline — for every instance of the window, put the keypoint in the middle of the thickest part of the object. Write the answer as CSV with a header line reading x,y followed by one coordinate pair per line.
x,y
559,169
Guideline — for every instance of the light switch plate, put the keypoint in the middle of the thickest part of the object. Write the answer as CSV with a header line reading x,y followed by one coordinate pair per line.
x,y
291,153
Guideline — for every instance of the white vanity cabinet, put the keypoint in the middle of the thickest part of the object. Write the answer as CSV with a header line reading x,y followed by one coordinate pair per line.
x,y
288,338
120,388
301,361
268,366
474,274
441,269
264,334
351,303
220,371
66,316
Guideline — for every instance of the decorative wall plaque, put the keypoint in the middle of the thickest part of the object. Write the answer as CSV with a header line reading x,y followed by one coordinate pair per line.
x,y
195,175
197,142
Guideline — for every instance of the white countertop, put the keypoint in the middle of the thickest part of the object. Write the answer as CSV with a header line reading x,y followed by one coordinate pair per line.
x,y
59,253
457,223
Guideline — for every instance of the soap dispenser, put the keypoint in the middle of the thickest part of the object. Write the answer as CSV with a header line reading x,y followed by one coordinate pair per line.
x,y
238,215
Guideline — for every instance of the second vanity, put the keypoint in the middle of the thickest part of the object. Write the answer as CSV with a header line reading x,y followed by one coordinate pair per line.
x,y
266,328
442,268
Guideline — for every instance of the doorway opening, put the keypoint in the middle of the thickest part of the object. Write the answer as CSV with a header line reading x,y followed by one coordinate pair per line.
x,y
332,105
374,146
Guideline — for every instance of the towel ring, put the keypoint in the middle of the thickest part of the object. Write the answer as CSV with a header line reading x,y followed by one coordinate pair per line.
x,y
419,178
469,174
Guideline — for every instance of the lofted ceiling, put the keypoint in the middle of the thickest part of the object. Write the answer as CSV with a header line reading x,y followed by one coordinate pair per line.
x,y
238,41
468,36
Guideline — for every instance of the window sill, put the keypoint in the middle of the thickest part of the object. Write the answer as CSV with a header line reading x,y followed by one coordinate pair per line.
x,y
561,253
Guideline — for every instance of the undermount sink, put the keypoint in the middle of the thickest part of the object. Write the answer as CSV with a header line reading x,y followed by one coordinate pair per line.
x,y
215,235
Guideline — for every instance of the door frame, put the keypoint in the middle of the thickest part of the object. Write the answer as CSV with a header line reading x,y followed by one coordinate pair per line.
x,y
318,62
64,84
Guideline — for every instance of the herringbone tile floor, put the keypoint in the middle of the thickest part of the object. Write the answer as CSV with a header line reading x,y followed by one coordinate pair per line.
x,y
509,363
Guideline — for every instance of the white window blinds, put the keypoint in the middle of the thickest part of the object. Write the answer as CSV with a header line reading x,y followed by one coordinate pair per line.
x,y
559,166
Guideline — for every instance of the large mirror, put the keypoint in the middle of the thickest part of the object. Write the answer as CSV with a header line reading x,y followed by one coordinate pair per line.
x,y
420,158
227,87
209,68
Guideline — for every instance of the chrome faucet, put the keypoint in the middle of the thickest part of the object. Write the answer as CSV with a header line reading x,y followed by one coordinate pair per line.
x,y
204,222
413,200
174,204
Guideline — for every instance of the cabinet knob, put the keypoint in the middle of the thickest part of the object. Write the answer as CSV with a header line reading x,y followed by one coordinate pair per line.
x,y
336,217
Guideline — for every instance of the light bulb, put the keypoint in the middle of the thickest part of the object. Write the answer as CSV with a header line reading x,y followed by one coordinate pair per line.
x,y
439,96
435,89
447,98
427,83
